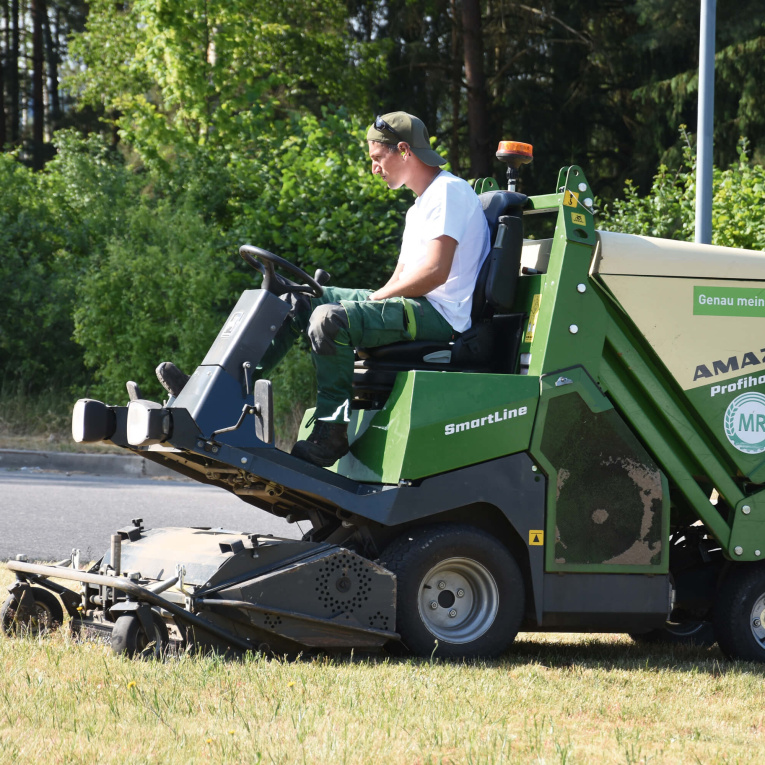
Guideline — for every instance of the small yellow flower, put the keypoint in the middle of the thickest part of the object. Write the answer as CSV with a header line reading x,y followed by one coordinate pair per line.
x,y
209,741
290,683
231,733
132,684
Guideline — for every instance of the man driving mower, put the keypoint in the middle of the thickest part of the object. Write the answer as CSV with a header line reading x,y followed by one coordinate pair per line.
x,y
428,297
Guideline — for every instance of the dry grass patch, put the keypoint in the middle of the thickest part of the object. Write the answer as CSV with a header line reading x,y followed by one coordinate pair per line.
x,y
552,699
42,422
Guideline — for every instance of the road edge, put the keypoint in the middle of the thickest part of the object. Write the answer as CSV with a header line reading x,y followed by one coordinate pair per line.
x,y
126,465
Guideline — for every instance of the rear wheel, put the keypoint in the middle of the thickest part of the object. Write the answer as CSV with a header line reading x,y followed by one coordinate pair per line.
x,y
460,592
129,638
739,617
46,616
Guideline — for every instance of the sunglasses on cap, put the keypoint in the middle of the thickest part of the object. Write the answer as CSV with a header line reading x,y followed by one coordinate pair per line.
x,y
381,124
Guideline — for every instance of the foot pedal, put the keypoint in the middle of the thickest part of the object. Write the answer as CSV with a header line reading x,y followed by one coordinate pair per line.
x,y
264,411
134,392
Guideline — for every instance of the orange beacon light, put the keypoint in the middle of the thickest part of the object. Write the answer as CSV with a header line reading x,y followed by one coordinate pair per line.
x,y
514,154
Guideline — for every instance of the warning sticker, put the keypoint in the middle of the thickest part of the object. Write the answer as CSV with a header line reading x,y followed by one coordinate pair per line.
x,y
570,198
536,537
579,219
533,316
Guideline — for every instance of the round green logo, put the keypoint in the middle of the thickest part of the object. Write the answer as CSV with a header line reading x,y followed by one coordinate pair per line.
x,y
745,423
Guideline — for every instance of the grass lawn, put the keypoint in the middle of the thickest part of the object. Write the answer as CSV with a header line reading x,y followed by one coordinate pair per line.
x,y
551,699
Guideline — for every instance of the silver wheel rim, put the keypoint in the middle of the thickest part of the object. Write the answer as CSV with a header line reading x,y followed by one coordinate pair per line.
x,y
684,629
458,600
757,620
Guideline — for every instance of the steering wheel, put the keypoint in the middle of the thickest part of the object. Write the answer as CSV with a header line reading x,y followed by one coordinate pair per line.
x,y
267,263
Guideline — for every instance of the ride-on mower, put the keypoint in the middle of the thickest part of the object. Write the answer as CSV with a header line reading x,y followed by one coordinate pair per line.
x,y
588,456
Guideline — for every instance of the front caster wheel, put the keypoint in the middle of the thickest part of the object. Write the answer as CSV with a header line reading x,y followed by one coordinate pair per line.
x,y
459,591
739,617
45,616
129,638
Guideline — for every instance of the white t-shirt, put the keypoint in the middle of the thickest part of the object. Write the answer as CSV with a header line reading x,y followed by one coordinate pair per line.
x,y
448,206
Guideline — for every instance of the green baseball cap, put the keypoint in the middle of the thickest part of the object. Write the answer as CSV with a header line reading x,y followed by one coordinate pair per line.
x,y
394,127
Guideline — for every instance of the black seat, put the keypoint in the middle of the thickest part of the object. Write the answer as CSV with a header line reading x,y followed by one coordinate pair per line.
x,y
491,344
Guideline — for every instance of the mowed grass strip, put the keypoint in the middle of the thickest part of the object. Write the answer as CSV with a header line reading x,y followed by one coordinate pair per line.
x,y
552,699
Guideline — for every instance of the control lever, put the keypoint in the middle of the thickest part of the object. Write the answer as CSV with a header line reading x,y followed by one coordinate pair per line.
x,y
321,276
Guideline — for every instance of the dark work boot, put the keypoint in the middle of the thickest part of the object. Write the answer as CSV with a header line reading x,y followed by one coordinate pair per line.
x,y
171,378
326,444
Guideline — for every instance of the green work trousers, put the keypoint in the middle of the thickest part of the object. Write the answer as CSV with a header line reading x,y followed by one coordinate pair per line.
x,y
344,319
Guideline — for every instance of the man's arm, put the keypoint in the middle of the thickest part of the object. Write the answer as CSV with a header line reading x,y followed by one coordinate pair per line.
x,y
394,276
432,272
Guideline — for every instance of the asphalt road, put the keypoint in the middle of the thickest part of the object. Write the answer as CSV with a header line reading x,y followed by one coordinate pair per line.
x,y
46,515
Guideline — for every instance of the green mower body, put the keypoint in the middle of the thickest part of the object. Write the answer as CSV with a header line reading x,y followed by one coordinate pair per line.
x,y
590,456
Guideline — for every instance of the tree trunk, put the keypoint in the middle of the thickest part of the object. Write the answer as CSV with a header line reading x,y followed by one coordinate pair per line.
x,y
478,118
51,55
3,65
456,90
12,77
38,90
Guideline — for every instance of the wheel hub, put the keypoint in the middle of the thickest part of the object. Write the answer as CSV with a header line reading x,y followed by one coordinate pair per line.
x,y
458,600
757,620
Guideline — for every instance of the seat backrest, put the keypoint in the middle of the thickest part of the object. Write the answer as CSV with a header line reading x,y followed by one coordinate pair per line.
x,y
498,203
497,278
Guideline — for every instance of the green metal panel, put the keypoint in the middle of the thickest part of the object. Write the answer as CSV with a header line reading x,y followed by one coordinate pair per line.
x,y
746,537
737,419
434,422
482,185
679,436
569,325
607,504
575,321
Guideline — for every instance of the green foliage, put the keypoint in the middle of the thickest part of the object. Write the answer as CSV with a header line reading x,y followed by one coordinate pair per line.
x,y
50,223
668,211
158,291
294,388
179,76
666,48
314,201
47,222
601,85
33,321
165,276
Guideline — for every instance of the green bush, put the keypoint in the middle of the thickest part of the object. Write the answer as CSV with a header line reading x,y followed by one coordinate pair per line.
x,y
50,224
314,201
167,277
111,269
668,211
35,312
159,291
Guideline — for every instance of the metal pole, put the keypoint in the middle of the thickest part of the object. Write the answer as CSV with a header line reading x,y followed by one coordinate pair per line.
x,y
705,122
